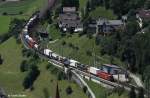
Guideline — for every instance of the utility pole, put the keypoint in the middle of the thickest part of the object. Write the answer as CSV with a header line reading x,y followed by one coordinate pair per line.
x,y
57,92
94,62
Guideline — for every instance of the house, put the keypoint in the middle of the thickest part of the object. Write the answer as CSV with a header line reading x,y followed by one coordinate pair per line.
x,y
108,26
69,9
69,19
91,26
143,14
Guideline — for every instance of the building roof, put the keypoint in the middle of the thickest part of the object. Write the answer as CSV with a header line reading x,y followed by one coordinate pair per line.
x,y
112,66
70,23
145,14
68,16
109,22
70,20
69,9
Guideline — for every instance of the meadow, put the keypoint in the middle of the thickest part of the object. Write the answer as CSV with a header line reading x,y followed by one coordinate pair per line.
x,y
101,92
17,9
11,78
87,53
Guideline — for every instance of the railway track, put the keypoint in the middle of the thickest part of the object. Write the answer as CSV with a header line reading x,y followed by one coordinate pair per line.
x,y
126,86
82,73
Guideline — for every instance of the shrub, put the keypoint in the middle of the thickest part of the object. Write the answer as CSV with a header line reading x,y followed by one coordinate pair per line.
x,y
31,77
61,76
84,89
69,90
1,60
71,45
20,12
5,13
24,66
64,43
89,53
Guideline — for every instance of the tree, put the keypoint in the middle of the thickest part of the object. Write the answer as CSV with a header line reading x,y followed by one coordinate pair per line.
x,y
106,4
20,12
147,79
84,89
97,40
31,77
63,43
24,66
132,28
57,11
61,75
89,53
141,93
5,13
69,90
1,60
132,93
121,7
69,74
70,3
147,4
131,15
88,7
15,27
26,83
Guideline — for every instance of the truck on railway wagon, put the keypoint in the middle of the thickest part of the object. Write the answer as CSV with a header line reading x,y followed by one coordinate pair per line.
x,y
48,52
113,73
94,70
30,41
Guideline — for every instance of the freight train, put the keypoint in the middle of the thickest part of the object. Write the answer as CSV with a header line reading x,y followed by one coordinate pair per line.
x,y
106,71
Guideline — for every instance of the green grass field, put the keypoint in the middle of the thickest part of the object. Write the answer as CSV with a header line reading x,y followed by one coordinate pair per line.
x,y
47,82
4,24
82,3
11,78
26,6
54,33
84,44
101,12
101,92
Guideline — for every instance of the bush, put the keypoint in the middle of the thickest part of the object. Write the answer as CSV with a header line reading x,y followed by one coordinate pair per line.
x,y
70,45
24,66
20,12
89,53
69,90
31,77
76,47
1,60
89,35
97,40
61,76
84,89
64,43
5,13
48,66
